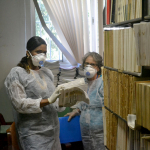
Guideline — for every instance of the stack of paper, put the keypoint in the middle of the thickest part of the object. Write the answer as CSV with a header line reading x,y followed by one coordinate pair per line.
x,y
80,71
54,67
66,74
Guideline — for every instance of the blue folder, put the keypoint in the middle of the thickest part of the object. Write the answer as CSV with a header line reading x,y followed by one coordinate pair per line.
x,y
69,131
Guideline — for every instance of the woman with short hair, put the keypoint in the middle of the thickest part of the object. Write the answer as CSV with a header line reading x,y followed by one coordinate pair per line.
x,y
91,119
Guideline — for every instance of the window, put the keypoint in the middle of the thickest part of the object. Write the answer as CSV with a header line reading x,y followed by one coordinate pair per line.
x,y
53,52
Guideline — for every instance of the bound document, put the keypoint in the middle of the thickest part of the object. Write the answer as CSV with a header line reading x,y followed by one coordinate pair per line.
x,y
73,92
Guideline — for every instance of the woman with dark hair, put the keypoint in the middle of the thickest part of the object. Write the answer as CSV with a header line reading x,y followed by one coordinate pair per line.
x,y
32,93
91,119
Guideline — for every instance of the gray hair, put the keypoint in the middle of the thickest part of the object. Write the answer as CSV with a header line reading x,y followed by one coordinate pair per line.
x,y
97,58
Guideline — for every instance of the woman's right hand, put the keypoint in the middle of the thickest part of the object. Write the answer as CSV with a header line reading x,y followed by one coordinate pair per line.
x,y
72,114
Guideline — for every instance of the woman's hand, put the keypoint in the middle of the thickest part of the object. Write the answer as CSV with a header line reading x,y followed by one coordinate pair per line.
x,y
72,114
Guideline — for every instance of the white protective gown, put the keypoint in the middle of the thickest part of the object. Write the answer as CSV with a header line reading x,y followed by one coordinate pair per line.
x,y
37,128
91,119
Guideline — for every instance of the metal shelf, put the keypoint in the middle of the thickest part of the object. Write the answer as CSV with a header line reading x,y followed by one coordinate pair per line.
x,y
110,68
124,23
141,129
145,71
115,114
126,72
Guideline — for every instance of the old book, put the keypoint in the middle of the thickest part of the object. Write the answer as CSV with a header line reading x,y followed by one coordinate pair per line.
x,y
104,125
127,96
124,7
137,9
138,93
113,11
119,49
114,48
116,91
108,11
111,90
148,7
140,104
126,10
110,49
140,8
137,35
125,49
122,50
105,48
116,11
133,9
129,55
133,53
72,92
143,43
129,9
147,44
148,108
130,94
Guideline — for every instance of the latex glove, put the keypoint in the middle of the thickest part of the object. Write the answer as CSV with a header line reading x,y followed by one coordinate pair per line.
x,y
54,96
72,114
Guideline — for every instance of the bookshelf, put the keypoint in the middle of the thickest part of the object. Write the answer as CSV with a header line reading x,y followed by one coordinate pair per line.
x,y
124,88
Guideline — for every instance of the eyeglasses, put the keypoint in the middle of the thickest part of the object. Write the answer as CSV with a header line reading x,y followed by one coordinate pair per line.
x,y
93,65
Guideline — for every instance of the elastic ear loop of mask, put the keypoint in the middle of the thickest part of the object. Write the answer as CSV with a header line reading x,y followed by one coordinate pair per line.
x,y
30,54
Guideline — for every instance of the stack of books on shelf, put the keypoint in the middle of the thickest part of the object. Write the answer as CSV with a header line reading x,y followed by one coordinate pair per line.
x,y
120,50
126,56
118,136
142,36
119,92
67,74
54,67
142,97
110,129
116,11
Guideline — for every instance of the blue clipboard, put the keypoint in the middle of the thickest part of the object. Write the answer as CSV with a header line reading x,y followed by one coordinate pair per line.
x,y
69,131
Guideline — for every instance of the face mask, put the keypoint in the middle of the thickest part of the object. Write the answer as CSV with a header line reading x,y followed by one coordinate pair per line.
x,y
38,59
89,71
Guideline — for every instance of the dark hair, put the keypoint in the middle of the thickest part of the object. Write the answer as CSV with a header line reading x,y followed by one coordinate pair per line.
x,y
32,43
97,58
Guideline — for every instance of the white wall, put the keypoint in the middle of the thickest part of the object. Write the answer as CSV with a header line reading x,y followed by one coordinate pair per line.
x,y
16,27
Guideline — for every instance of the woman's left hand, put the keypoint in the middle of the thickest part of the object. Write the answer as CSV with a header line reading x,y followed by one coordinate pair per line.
x,y
72,114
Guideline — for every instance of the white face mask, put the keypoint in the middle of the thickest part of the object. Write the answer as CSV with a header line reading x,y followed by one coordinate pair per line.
x,y
89,71
38,59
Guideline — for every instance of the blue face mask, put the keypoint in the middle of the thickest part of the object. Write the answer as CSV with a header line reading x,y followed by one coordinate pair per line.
x,y
89,71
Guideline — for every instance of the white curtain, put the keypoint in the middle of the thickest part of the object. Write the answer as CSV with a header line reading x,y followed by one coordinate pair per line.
x,y
70,19
68,55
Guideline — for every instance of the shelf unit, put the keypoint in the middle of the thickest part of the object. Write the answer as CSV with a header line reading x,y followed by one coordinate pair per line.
x,y
145,71
115,114
129,23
